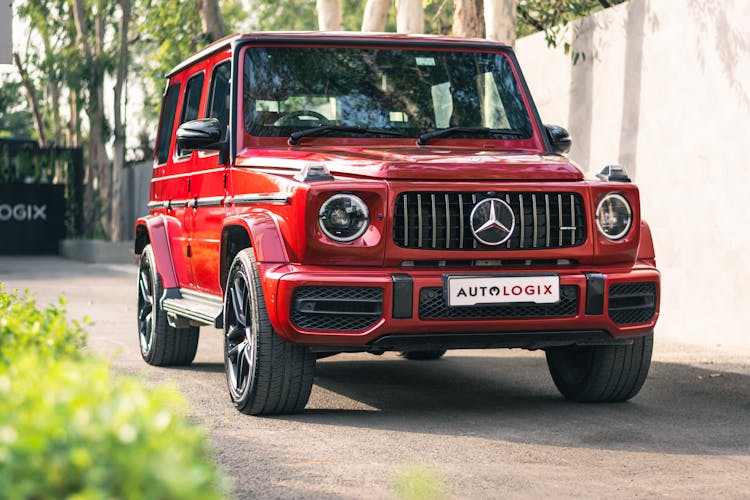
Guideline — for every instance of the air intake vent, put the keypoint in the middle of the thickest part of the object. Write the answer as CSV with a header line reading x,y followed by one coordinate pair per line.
x,y
632,303
442,220
337,308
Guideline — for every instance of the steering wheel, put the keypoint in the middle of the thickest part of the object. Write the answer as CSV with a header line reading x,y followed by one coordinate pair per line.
x,y
301,112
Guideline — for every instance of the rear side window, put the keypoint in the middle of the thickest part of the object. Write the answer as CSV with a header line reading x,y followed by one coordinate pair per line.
x,y
191,102
168,112
192,99
218,98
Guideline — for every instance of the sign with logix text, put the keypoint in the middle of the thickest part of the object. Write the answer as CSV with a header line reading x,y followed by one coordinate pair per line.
x,y
32,218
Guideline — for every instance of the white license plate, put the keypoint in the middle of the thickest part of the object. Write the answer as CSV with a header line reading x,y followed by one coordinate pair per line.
x,y
472,290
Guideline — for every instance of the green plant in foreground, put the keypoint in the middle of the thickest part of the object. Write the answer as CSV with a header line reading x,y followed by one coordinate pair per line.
x,y
24,328
73,428
70,428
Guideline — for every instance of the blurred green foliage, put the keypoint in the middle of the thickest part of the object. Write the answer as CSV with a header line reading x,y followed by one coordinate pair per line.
x,y
69,428
46,333
418,482
15,117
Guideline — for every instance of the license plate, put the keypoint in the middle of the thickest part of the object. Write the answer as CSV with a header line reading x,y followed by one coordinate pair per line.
x,y
472,290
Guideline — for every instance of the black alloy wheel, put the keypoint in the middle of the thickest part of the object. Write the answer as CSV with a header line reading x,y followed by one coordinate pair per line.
x,y
266,375
161,344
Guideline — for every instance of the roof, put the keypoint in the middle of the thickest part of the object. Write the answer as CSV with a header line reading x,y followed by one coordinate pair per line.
x,y
339,37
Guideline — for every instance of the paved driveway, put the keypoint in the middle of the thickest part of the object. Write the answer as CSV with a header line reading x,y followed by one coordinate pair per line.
x,y
475,424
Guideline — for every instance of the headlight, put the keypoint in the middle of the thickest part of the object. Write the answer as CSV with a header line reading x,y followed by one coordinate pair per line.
x,y
344,217
614,216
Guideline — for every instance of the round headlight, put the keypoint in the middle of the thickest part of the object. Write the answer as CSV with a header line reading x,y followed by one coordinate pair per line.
x,y
344,217
614,216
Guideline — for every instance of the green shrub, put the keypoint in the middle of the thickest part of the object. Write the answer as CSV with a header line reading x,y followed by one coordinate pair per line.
x,y
24,328
69,428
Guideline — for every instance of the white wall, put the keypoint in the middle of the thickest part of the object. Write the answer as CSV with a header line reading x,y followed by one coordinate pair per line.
x,y
665,91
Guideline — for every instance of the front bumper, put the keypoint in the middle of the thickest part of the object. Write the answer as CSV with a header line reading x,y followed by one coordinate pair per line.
x,y
401,308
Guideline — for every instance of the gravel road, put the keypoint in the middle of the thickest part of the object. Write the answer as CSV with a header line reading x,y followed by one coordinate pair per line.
x,y
476,424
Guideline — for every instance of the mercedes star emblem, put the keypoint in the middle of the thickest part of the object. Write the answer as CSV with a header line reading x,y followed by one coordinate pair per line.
x,y
492,221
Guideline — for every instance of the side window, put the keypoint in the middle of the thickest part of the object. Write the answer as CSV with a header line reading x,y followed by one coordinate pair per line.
x,y
218,97
168,112
192,101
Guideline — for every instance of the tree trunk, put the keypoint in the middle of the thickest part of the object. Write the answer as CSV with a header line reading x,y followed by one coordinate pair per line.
x,y
119,146
500,20
74,126
98,185
409,16
376,12
212,21
468,19
33,102
329,15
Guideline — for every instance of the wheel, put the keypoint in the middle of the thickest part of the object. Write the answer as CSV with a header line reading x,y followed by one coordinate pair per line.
x,y
266,375
426,355
601,373
161,344
301,112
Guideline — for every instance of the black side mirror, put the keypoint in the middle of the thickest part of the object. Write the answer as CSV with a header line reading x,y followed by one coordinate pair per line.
x,y
204,134
559,138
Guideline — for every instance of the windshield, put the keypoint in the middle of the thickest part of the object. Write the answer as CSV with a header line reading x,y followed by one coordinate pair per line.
x,y
289,89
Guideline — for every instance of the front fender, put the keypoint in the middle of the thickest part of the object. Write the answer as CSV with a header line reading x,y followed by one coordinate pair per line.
x,y
264,234
260,230
646,246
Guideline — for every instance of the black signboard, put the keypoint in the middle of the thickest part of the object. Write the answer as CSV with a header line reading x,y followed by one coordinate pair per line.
x,y
32,218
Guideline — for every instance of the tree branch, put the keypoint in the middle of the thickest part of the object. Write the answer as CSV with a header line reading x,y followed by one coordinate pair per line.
x,y
38,123
530,20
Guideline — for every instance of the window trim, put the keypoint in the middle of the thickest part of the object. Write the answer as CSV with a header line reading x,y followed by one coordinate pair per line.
x,y
188,81
212,86
160,133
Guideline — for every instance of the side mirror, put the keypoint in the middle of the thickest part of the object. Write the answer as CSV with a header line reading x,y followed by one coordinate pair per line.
x,y
204,134
559,138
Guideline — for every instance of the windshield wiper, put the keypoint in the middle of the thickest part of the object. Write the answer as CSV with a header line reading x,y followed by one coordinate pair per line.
x,y
294,137
423,138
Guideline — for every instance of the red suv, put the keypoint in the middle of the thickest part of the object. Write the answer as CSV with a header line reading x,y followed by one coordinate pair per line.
x,y
314,194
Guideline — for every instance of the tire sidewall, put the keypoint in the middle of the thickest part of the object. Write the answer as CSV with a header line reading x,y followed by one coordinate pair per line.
x,y
147,263
243,265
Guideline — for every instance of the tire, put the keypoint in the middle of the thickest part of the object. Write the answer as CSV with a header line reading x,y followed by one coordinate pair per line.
x,y
161,344
426,355
265,374
598,374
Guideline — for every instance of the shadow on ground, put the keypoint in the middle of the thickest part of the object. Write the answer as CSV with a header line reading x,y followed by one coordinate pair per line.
x,y
681,409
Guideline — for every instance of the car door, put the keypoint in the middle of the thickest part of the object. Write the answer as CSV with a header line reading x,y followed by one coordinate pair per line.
x,y
208,189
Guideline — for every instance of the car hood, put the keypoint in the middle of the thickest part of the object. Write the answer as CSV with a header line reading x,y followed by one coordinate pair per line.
x,y
418,163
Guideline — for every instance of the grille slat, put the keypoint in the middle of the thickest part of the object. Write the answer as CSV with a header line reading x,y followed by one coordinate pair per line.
x,y
442,220
432,305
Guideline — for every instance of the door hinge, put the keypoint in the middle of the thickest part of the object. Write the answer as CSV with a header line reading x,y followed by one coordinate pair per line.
x,y
189,251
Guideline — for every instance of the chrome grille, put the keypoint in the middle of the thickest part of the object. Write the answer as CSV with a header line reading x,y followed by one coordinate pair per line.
x,y
441,220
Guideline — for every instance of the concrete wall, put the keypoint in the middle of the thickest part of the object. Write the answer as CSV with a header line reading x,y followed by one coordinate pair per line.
x,y
665,91
135,190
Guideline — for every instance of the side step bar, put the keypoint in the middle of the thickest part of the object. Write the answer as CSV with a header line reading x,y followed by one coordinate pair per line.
x,y
193,306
